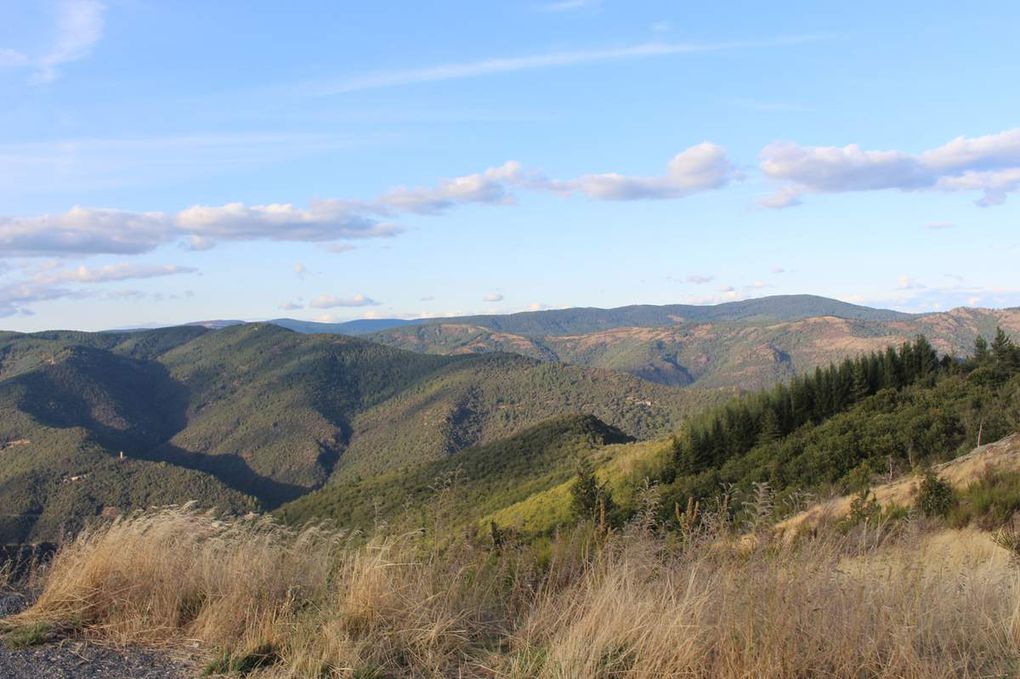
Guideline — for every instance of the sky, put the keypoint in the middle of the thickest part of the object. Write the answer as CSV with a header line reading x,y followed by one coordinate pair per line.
x,y
166,162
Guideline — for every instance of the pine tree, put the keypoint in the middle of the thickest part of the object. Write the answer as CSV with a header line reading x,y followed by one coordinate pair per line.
x,y
588,497
860,387
981,354
769,428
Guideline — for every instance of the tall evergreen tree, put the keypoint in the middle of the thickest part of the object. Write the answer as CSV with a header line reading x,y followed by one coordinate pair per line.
x,y
860,386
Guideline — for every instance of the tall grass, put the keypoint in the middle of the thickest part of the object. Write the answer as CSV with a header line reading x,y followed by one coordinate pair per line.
x,y
316,603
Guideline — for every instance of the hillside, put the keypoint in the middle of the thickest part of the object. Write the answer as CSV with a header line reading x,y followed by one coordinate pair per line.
x,y
989,464
464,487
749,346
255,412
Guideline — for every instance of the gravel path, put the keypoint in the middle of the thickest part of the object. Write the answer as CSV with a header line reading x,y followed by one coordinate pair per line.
x,y
74,659
78,660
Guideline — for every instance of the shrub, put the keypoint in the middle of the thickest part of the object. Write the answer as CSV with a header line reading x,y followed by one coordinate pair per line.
x,y
935,497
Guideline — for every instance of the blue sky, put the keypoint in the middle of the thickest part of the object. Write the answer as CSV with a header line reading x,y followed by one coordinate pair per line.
x,y
166,162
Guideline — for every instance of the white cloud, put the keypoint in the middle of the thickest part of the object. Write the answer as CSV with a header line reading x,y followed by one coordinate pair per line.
x,y
699,279
988,164
111,272
16,299
84,231
908,283
568,5
332,301
936,298
988,152
493,66
339,248
102,230
322,220
489,186
994,183
299,269
51,282
291,306
778,270
77,27
493,297
699,168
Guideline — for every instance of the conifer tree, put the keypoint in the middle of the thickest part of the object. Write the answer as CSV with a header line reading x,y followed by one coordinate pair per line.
x,y
861,386
769,429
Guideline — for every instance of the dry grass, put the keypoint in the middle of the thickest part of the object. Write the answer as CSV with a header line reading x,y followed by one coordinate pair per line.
x,y
313,603
1001,456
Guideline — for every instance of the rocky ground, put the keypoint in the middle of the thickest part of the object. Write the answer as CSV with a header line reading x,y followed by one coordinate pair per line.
x,y
80,660
83,661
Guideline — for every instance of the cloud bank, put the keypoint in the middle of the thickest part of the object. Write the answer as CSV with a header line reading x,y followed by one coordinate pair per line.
x,y
53,283
86,231
989,165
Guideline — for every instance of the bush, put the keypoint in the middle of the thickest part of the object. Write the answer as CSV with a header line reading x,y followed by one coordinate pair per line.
x,y
935,497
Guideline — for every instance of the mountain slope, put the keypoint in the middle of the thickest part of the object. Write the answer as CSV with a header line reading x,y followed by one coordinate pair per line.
x,y
717,348
580,320
258,411
469,485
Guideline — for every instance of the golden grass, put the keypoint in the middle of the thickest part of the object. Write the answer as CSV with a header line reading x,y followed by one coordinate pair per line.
x,y
314,603
1001,456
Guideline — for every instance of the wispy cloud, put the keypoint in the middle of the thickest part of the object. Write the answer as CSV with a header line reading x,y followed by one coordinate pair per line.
x,y
568,5
52,282
98,163
77,27
544,60
332,301
493,297
111,272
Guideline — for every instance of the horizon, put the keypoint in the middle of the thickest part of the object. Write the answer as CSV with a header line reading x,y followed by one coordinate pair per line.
x,y
440,319
335,165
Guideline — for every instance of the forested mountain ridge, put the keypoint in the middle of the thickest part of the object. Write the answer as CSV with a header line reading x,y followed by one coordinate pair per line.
x,y
255,412
748,344
748,353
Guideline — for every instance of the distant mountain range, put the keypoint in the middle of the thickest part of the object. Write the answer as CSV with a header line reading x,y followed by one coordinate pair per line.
x,y
244,415
747,344
580,320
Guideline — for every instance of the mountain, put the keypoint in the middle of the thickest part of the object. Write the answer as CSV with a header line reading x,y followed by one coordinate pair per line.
x,y
462,487
746,344
587,320
850,425
257,414
364,326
